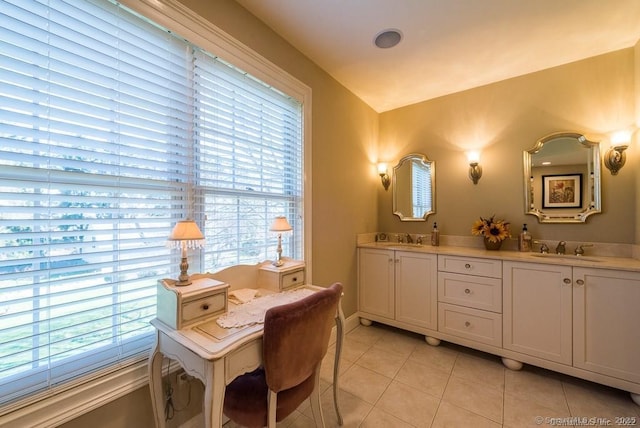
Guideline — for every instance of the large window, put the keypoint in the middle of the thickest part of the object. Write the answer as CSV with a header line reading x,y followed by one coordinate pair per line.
x,y
111,130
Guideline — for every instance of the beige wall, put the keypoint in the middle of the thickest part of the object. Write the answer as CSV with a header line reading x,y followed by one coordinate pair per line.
x,y
634,153
593,96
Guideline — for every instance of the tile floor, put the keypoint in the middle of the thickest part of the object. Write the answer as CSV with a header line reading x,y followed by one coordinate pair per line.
x,y
393,379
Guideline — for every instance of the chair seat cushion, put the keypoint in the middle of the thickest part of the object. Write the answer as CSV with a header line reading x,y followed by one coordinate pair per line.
x,y
245,399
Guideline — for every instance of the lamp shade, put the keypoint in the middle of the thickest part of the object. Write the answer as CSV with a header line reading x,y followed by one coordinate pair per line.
x,y
280,224
186,234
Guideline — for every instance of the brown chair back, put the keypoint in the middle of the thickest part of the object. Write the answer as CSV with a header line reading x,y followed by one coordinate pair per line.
x,y
296,337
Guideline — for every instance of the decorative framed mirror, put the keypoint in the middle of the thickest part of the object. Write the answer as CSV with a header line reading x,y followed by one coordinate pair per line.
x,y
414,188
562,178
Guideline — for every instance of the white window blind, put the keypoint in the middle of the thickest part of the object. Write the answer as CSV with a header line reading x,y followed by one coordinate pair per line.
x,y
421,185
111,130
249,164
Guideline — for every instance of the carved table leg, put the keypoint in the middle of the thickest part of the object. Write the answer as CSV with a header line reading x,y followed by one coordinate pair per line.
x,y
214,394
155,383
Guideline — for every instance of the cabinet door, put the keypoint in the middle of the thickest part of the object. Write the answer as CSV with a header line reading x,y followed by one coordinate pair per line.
x,y
417,289
606,322
375,282
537,310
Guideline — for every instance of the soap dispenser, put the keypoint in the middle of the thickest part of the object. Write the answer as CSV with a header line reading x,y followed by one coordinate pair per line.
x,y
525,240
435,235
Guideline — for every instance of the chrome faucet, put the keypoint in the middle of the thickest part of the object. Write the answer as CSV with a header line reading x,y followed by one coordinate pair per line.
x,y
544,248
409,239
560,249
400,238
419,239
579,251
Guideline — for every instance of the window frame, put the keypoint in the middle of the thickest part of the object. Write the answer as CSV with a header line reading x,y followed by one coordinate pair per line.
x,y
76,398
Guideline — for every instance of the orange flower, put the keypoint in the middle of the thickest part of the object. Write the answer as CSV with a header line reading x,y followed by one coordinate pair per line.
x,y
490,228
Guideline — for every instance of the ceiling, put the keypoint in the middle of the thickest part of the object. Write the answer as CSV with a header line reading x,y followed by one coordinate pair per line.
x,y
448,45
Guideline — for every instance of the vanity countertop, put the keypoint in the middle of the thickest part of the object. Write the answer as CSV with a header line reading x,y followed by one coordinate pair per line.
x,y
601,262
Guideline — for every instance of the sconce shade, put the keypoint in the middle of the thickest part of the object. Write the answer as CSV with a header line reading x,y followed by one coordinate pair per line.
x,y
475,172
384,176
280,224
615,157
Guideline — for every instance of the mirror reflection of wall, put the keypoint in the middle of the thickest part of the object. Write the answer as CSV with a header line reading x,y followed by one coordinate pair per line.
x,y
413,189
562,179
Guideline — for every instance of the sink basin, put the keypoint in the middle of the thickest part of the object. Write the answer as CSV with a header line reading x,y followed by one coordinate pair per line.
x,y
399,245
565,257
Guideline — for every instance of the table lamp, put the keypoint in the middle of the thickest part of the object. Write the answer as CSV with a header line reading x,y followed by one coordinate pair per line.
x,y
185,235
280,225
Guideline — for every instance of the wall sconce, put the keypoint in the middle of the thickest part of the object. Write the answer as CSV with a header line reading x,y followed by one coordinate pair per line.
x,y
185,235
475,170
280,225
615,157
384,175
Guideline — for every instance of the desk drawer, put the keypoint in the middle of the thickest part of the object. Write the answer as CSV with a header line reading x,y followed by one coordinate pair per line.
x,y
243,360
203,307
470,266
470,291
293,279
473,324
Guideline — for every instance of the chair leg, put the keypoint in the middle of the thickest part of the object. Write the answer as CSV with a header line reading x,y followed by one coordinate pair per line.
x,y
272,401
316,406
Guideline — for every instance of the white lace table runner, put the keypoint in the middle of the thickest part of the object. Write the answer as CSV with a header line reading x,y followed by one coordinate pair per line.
x,y
253,311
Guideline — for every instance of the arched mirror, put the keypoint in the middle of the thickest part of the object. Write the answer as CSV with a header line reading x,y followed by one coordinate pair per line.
x,y
414,188
562,178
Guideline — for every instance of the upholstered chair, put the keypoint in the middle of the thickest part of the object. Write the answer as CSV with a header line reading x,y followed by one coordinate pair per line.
x,y
296,338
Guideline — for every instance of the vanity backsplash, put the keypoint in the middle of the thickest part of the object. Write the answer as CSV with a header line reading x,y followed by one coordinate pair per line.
x,y
597,249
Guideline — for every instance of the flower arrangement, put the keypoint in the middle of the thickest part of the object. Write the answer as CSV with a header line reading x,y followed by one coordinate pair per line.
x,y
491,229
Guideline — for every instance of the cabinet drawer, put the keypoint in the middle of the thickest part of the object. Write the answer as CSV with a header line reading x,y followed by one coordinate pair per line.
x,y
203,307
470,266
470,291
293,279
473,324
243,360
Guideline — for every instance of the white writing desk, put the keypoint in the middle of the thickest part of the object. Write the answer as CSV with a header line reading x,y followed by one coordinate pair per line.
x,y
216,355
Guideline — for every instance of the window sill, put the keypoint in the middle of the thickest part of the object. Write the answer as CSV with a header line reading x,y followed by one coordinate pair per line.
x,y
67,405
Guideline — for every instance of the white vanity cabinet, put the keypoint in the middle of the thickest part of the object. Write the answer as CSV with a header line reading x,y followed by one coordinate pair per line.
x,y
376,291
537,310
470,298
586,319
398,288
606,322
576,316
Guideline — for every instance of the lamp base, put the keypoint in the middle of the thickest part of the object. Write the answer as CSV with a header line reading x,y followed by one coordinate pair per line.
x,y
183,279
278,263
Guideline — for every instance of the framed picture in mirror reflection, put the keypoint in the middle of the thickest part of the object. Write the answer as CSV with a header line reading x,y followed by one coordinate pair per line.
x,y
562,191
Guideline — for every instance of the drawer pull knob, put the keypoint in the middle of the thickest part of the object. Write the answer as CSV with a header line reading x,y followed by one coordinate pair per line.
x,y
467,291
566,281
467,324
294,279
205,307
580,282
467,266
